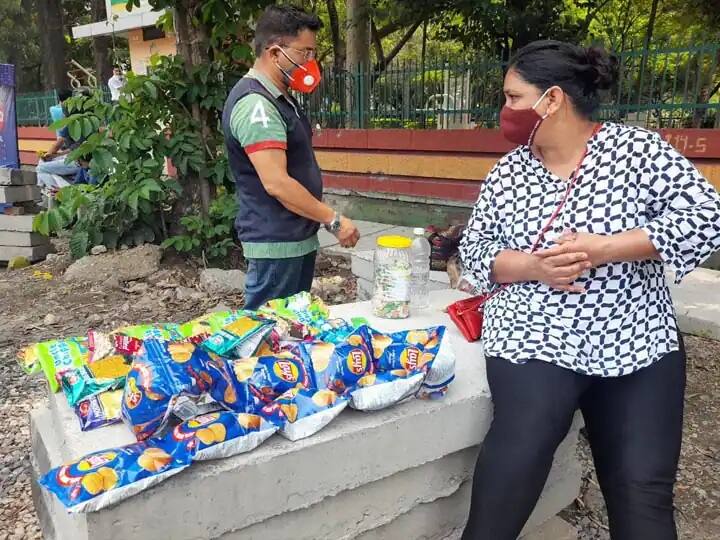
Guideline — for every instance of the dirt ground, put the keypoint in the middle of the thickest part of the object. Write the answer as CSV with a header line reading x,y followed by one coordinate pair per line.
x,y
35,308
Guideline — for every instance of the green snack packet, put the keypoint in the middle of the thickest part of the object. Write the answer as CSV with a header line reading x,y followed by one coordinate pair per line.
x,y
59,356
106,374
163,332
235,334
208,324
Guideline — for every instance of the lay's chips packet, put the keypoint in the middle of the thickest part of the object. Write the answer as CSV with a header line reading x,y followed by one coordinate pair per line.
x,y
218,435
411,350
303,412
339,367
160,373
103,478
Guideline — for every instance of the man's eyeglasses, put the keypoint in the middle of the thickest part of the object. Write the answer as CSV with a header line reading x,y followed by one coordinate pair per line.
x,y
307,54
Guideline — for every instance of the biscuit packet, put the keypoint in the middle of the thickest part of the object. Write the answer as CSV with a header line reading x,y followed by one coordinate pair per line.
x,y
100,410
54,358
104,478
303,412
340,366
218,435
159,374
105,374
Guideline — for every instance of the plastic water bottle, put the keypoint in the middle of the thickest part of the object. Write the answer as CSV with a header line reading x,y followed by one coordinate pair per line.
x,y
420,265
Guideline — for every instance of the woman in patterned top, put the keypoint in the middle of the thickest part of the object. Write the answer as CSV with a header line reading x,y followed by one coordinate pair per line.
x,y
585,320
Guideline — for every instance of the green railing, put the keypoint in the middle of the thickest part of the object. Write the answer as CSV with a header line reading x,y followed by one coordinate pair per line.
x,y
660,87
33,109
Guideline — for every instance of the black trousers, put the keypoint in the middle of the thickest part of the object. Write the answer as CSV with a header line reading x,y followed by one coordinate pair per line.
x,y
634,424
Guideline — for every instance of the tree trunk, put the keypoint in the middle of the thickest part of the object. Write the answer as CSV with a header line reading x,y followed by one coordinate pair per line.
x,y
646,46
52,44
358,60
193,47
336,36
102,45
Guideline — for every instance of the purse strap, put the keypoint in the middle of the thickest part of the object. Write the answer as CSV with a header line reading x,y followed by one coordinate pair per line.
x,y
571,183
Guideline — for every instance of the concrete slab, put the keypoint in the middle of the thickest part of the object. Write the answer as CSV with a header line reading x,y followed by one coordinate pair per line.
x,y
16,223
17,177
697,303
33,254
365,470
13,194
22,239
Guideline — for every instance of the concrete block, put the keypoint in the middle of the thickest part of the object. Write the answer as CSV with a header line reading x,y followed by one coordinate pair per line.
x,y
17,223
363,472
13,194
34,253
22,239
17,177
696,304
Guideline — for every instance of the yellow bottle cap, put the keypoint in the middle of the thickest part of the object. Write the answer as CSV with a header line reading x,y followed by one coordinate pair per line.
x,y
394,242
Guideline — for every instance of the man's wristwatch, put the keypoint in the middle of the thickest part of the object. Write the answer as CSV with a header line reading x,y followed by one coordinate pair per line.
x,y
334,225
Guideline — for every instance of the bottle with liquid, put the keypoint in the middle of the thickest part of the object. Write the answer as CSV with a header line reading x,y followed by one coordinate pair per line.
x,y
420,273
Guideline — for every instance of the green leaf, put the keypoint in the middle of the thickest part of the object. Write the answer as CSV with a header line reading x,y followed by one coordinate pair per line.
x,y
87,127
75,130
103,159
79,244
41,224
152,90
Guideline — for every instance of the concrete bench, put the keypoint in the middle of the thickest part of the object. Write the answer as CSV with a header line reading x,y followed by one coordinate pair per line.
x,y
402,473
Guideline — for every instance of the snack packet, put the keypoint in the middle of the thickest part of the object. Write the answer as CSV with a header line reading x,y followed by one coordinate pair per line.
x,y
55,358
339,367
161,373
208,324
440,374
237,338
104,478
105,374
303,412
298,317
412,350
100,410
380,390
218,435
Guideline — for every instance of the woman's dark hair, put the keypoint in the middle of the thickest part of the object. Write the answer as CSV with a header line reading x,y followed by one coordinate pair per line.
x,y
278,22
581,72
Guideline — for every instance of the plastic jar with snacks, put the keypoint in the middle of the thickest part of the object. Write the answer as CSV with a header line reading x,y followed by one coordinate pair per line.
x,y
391,295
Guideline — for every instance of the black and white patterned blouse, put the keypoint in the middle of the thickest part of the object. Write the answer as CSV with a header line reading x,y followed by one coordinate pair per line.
x,y
625,320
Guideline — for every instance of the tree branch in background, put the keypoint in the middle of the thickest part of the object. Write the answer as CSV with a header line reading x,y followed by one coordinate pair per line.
x,y
338,42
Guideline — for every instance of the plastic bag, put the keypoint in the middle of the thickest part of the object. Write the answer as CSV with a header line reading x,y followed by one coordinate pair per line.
x,y
339,367
218,435
303,412
159,375
100,410
104,478
108,373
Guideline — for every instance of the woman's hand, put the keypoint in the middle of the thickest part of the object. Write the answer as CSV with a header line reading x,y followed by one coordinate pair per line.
x,y
560,266
596,246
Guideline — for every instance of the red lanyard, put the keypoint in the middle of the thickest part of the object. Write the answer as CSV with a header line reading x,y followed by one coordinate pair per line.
x,y
571,183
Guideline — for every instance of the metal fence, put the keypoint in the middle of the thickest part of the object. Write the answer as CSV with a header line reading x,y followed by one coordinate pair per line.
x,y
33,109
659,87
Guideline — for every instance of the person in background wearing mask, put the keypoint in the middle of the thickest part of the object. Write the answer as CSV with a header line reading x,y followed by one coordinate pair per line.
x,y
585,321
269,143
116,84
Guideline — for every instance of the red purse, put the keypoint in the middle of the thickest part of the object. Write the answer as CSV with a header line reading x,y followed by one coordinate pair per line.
x,y
467,314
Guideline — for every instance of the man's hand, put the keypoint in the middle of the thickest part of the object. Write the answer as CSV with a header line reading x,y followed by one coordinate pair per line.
x,y
560,266
348,235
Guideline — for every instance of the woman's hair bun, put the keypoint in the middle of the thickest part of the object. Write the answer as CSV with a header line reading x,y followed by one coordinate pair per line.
x,y
604,67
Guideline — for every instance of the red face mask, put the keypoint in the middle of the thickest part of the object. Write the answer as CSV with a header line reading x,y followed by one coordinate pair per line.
x,y
520,125
305,77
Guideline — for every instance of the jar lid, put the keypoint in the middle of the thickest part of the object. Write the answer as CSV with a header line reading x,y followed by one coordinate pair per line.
x,y
394,242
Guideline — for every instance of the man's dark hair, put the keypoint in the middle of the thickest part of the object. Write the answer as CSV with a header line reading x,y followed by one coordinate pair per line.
x,y
279,22
64,94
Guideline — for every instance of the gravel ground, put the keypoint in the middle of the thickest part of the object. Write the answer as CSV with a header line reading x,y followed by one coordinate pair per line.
x,y
29,299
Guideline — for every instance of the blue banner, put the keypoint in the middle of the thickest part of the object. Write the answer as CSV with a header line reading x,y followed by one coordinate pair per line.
x,y
9,156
